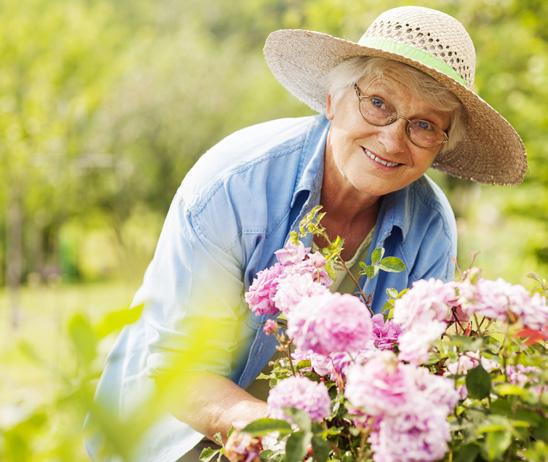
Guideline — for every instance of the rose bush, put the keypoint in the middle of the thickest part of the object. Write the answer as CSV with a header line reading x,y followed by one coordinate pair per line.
x,y
450,371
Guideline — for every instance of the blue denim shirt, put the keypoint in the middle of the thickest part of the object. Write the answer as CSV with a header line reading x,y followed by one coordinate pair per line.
x,y
235,207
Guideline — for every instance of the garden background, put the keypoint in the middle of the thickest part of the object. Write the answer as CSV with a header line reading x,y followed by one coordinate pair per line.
x,y
104,106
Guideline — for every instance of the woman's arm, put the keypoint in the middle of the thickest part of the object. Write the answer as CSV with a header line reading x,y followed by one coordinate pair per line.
x,y
214,403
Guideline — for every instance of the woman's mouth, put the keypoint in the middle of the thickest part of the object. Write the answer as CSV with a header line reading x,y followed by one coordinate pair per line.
x,y
379,160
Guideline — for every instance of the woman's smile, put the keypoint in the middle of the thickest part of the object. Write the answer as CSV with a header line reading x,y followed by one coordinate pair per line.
x,y
379,160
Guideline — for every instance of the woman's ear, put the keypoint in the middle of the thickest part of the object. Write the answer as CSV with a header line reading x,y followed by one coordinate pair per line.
x,y
329,109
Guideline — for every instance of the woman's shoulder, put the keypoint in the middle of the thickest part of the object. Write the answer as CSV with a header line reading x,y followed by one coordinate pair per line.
x,y
249,154
420,209
430,197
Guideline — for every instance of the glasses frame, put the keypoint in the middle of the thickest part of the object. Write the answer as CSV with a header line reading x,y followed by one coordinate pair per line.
x,y
394,117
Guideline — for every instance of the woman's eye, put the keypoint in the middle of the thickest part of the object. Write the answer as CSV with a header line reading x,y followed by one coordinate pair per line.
x,y
377,102
424,125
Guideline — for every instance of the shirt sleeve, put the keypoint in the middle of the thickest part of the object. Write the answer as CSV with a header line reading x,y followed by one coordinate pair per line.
x,y
195,316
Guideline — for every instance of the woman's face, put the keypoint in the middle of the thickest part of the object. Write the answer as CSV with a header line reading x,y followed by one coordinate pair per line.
x,y
373,160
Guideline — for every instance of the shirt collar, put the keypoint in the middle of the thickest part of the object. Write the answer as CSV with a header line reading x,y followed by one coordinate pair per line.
x,y
396,211
311,164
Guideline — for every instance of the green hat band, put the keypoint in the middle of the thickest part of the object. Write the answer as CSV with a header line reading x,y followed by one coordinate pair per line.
x,y
414,53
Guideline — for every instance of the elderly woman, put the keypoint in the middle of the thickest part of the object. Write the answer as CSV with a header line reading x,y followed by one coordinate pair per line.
x,y
392,105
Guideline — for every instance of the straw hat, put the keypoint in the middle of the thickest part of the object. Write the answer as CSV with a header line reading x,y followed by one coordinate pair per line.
x,y
431,41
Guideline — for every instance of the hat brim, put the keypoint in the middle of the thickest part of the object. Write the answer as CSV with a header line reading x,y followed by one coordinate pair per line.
x,y
491,151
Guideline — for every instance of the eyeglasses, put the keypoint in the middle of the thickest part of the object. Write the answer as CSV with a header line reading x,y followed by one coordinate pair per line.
x,y
376,111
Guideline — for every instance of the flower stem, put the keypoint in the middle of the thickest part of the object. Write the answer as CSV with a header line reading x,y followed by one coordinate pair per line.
x,y
356,283
288,352
323,233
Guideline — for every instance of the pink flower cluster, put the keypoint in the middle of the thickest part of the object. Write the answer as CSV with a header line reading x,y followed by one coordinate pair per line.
x,y
242,447
297,273
384,336
330,323
385,333
410,407
300,393
501,300
411,437
292,288
518,374
333,365
426,309
260,296
468,361
423,314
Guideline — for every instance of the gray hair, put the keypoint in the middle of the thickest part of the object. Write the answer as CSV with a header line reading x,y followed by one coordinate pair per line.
x,y
349,72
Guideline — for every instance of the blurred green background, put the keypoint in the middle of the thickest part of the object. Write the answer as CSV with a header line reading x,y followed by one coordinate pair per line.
x,y
104,106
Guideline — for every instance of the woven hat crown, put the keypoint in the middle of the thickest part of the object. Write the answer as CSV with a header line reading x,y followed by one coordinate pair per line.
x,y
434,32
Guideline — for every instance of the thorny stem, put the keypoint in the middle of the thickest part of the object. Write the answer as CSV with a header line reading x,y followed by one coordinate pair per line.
x,y
478,323
504,356
364,434
287,350
363,441
456,319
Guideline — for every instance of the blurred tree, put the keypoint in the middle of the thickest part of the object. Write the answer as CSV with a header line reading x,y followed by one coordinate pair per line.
x,y
57,68
80,143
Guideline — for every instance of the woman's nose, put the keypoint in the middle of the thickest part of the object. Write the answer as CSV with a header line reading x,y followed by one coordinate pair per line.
x,y
394,137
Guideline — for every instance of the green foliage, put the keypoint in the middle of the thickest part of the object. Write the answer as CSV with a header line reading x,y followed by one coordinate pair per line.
x,y
478,382
265,426
53,427
381,263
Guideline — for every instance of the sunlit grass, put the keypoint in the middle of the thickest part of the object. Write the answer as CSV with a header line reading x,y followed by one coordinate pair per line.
x,y
44,312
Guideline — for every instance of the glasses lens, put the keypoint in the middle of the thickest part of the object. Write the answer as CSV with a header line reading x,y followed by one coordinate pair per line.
x,y
425,134
376,111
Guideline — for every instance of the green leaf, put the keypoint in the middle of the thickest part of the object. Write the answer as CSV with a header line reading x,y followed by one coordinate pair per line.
x,y
218,438
294,237
507,389
295,447
527,416
536,453
496,443
320,448
478,382
208,454
265,426
491,427
266,455
300,418
392,293
30,352
541,431
467,453
83,338
501,406
116,320
369,271
392,265
376,255
465,343
348,457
